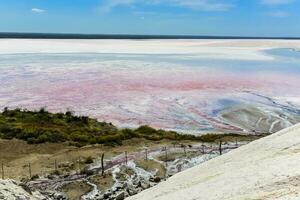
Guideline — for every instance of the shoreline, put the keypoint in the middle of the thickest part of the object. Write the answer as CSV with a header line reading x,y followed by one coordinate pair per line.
x,y
28,35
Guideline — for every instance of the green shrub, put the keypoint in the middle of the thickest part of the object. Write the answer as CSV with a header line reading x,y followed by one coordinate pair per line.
x,y
42,126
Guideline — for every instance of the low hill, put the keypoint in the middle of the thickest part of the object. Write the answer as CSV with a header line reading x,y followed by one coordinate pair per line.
x,y
265,169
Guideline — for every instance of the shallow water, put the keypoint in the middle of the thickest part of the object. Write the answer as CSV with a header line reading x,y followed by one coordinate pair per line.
x,y
183,92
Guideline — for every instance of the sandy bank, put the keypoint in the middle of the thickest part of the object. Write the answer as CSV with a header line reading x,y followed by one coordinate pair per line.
x,y
265,169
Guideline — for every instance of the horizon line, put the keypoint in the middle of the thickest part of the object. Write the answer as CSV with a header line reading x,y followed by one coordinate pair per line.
x,y
37,35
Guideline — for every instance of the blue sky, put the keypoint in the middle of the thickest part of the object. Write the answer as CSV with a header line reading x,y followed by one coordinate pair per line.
x,y
188,17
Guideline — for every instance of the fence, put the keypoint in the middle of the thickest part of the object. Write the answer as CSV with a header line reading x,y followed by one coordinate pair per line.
x,y
126,157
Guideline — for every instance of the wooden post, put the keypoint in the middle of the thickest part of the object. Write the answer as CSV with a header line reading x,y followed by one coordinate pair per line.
x,y
126,159
102,164
220,147
2,170
29,168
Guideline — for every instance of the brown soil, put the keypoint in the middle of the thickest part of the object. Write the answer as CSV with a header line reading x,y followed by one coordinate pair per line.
x,y
76,189
103,182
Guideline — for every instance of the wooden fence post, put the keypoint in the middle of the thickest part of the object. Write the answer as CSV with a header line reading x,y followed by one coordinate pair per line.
x,y
102,164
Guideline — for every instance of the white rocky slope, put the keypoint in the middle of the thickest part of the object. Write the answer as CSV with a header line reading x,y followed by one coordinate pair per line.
x,y
10,190
266,169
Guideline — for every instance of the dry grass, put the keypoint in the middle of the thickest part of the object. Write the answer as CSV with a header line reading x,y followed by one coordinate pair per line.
x,y
76,189
171,156
103,182
16,154
152,165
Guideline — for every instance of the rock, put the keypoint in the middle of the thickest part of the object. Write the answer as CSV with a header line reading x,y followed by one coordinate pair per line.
x,y
144,184
100,197
25,187
107,194
59,196
120,196
138,190
126,194
157,179
34,177
9,189
152,184
131,190
118,186
151,179
51,177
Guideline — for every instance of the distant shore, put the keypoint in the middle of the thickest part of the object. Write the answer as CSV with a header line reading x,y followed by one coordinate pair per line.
x,y
16,35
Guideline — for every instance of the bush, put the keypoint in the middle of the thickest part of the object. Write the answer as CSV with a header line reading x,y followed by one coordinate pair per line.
x,y
88,160
146,130
42,126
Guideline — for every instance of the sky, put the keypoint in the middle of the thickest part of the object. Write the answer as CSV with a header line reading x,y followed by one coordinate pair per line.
x,y
163,17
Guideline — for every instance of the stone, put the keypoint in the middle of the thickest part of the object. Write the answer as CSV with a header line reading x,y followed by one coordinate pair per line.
x,y
120,196
59,196
144,184
131,190
157,179
25,187
118,186
107,194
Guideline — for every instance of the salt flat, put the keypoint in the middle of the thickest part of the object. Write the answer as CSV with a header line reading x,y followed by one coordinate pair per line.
x,y
227,49
264,169
184,85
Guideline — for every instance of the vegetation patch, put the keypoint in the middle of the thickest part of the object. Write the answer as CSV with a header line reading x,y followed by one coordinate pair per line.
x,y
152,165
75,190
103,182
42,126
177,155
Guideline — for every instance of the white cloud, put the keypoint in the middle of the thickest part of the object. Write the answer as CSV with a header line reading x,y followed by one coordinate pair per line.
x,y
204,5
37,10
278,13
108,5
199,5
276,2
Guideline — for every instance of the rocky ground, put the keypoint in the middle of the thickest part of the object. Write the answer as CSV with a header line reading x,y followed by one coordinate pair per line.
x,y
11,190
121,179
266,169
